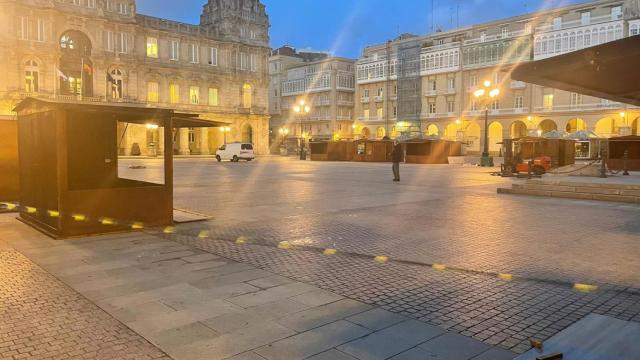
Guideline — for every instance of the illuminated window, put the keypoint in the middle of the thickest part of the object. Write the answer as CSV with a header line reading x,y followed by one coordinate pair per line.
x,y
31,77
213,97
174,93
547,102
192,135
152,47
194,95
152,92
380,113
247,95
365,114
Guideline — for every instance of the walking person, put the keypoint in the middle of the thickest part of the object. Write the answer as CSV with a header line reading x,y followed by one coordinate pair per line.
x,y
396,157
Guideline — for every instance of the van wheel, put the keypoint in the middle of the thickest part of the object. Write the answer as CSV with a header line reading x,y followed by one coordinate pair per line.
x,y
538,170
218,158
235,158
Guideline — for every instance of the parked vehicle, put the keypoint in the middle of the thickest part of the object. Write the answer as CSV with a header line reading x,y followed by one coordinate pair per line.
x,y
235,152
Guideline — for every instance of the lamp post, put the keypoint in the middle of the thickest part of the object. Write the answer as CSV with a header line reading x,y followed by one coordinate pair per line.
x,y
301,110
224,130
485,95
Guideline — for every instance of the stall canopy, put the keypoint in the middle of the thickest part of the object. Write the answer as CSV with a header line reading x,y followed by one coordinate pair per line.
x,y
608,71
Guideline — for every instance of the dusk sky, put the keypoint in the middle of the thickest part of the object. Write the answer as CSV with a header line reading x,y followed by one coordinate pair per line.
x,y
345,27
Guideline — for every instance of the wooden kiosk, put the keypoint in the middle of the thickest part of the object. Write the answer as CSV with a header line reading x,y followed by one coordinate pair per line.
x,y
331,150
372,150
431,151
9,170
561,151
617,147
69,183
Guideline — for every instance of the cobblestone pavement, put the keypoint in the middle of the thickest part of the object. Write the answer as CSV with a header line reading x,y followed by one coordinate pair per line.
x,y
44,319
438,214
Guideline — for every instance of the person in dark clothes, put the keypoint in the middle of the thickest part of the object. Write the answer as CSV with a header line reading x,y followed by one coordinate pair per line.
x,y
396,158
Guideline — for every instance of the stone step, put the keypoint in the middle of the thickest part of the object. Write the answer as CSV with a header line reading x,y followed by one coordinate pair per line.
x,y
569,192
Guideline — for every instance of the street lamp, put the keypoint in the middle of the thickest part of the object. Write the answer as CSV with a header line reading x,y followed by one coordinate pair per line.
x,y
486,95
301,110
224,130
283,133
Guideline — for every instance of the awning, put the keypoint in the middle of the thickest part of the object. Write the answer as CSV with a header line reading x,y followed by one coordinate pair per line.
x,y
128,112
609,71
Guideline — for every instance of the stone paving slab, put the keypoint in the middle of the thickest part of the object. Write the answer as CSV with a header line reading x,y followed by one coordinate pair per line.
x,y
392,340
284,319
44,319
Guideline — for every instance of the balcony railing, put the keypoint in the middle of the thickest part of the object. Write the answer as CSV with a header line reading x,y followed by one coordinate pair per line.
x,y
430,92
364,99
510,34
378,98
343,117
370,118
323,102
501,111
518,84
345,103
573,24
580,107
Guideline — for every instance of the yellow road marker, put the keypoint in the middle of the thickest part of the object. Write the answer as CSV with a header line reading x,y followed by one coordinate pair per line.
x,y
284,245
31,210
203,234
9,206
53,213
381,259
506,277
79,217
439,267
137,226
330,251
585,287
107,221
169,230
242,240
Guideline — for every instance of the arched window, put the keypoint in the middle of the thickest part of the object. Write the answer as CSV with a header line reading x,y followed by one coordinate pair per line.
x,y
114,83
247,95
31,76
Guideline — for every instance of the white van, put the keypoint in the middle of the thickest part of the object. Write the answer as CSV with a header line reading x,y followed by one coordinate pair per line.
x,y
235,152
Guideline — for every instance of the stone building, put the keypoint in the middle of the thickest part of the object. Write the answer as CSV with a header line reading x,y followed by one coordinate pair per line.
x,y
453,64
325,84
103,51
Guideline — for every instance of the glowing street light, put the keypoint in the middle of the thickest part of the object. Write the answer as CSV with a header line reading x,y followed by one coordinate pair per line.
x,y
486,95
302,110
283,133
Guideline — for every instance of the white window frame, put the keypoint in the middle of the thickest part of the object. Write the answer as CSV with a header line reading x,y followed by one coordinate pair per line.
x,y
41,30
123,8
194,95
213,56
23,29
123,46
91,4
194,53
174,54
213,101
109,46
518,102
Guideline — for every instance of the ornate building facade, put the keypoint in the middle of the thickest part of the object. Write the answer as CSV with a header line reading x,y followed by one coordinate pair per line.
x,y
103,51
325,84
451,65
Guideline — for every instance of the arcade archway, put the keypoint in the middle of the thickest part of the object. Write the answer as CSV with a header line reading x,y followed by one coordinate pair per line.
x,y
547,125
518,129
576,124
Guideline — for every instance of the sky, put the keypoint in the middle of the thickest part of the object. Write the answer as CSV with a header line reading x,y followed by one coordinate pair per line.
x,y
345,27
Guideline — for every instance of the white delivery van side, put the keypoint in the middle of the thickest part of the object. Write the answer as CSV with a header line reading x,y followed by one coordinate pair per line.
x,y
235,152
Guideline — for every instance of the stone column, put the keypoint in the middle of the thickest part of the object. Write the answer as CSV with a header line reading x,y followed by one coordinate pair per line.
x,y
204,141
183,134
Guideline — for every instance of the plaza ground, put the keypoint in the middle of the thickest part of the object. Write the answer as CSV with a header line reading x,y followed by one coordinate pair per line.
x,y
158,291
